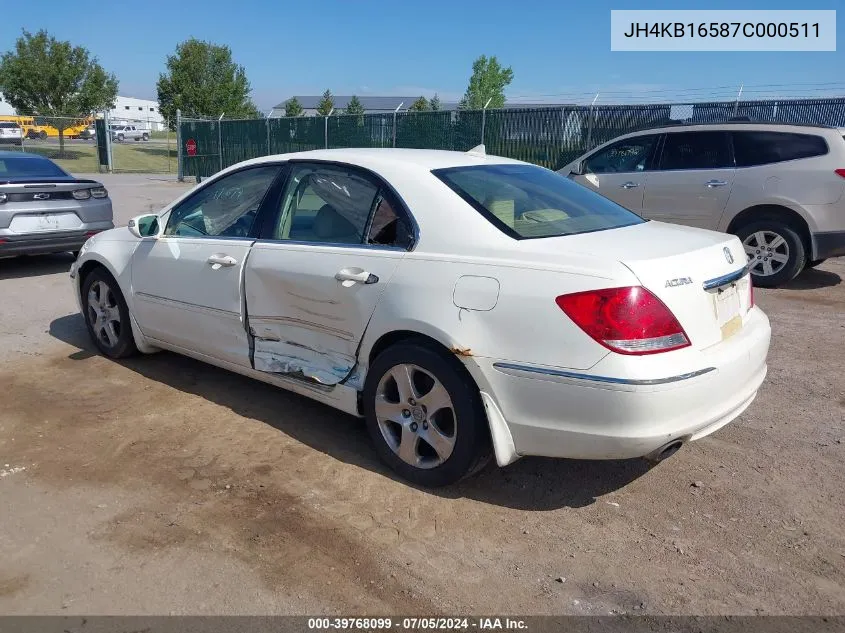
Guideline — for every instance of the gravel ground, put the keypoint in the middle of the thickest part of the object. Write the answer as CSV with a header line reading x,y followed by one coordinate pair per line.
x,y
161,485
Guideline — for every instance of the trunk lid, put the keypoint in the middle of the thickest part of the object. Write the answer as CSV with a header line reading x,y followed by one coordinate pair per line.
x,y
46,204
698,274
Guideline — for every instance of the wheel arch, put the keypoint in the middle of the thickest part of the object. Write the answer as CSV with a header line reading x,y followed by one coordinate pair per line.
x,y
499,433
778,212
93,261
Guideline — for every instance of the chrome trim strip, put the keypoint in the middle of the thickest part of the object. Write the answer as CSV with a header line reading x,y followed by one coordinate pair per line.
x,y
606,379
369,247
726,279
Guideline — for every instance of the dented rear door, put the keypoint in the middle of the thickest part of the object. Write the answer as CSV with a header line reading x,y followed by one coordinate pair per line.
x,y
309,305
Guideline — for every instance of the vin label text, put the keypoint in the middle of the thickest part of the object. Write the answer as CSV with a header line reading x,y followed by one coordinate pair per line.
x,y
723,30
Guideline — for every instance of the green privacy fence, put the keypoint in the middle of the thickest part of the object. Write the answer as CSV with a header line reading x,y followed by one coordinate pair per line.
x,y
549,136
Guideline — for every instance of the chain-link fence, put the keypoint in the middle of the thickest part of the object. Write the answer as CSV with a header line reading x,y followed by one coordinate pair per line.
x,y
551,136
79,146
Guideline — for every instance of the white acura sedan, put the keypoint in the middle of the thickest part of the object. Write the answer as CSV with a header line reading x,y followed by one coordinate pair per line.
x,y
463,304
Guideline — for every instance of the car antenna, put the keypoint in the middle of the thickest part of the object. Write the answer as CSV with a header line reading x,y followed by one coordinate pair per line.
x,y
478,150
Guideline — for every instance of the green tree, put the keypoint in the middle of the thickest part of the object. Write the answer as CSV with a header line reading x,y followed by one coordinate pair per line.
x,y
202,80
326,104
420,105
488,81
354,106
293,107
434,103
59,83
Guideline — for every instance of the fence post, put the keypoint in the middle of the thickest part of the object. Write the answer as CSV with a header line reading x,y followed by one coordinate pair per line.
x,y
220,138
394,122
590,124
738,95
267,124
484,118
108,141
180,171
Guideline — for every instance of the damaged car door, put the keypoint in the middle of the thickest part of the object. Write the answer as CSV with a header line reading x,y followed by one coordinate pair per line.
x,y
314,278
187,281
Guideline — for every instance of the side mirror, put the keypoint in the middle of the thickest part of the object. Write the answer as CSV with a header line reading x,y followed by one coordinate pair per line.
x,y
577,169
144,226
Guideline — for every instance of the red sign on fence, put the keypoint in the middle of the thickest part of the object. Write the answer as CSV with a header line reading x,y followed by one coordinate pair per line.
x,y
191,147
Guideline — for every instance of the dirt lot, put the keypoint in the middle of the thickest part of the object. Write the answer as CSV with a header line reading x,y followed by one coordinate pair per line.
x,y
161,485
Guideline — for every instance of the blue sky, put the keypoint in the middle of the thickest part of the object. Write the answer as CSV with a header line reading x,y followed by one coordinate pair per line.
x,y
559,53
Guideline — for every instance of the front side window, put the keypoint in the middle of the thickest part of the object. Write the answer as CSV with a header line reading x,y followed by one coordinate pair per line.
x,y
763,148
225,208
628,155
324,203
696,150
526,201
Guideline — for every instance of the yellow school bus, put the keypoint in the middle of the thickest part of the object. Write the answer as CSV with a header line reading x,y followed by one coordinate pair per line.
x,y
30,129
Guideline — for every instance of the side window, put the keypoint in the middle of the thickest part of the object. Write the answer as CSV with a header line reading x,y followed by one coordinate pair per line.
x,y
763,148
324,203
389,226
225,208
696,150
628,155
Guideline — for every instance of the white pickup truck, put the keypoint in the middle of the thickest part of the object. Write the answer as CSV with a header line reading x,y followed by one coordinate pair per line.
x,y
120,133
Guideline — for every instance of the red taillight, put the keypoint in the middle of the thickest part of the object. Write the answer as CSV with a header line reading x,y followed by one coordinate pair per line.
x,y
627,320
840,172
91,233
750,292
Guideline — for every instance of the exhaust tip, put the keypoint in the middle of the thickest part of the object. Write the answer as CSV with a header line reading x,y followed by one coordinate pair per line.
x,y
665,452
670,450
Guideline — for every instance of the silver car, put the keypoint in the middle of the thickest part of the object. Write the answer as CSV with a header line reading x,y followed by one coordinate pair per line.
x,y
43,209
780,188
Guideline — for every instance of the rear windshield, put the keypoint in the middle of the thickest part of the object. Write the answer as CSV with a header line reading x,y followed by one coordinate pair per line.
x,y
29,168
7,124
526,201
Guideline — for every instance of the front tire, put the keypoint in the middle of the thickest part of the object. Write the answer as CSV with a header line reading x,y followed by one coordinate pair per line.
x,y
425,416
775,252
107,315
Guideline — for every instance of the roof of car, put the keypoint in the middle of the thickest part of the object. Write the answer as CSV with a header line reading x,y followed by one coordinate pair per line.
x,y
427,159
11,154
732,124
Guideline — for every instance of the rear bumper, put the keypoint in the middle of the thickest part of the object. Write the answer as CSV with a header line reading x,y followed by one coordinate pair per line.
x,y
828,244
42,244
558,413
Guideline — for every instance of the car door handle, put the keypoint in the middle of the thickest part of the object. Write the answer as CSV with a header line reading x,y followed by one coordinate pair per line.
x,y
716,183
629,185
350,276
218,261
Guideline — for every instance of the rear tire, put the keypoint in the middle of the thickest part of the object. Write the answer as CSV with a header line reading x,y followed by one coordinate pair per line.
x,y
120,137
402,427
145,137
775,251
42,135
107,315
815,262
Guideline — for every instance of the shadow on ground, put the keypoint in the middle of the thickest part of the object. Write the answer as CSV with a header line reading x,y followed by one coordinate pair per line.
x,y
155,151
35,265
812,279
536,484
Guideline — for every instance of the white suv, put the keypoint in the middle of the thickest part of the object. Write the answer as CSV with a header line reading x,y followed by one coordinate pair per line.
x,y
778,187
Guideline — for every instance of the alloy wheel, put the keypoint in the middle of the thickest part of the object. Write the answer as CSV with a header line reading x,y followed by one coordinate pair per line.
x,y
104,314
767,251
416,416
